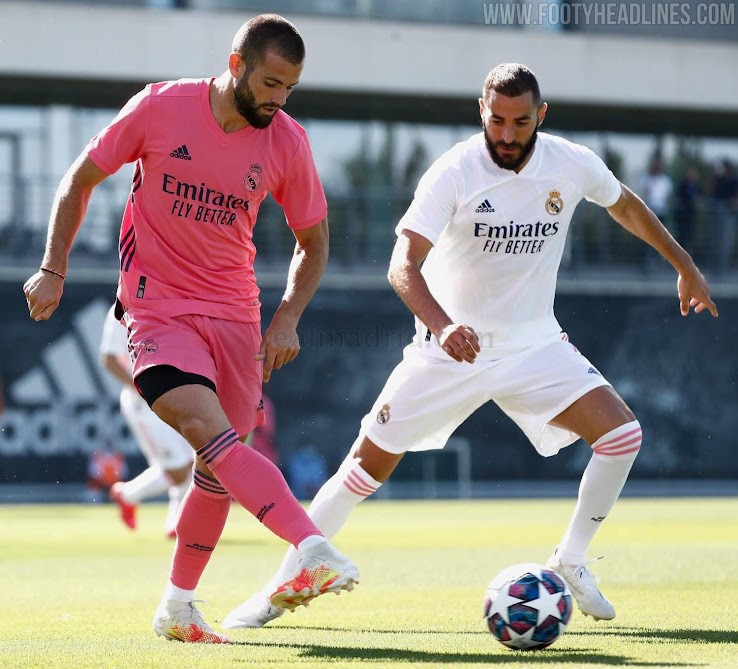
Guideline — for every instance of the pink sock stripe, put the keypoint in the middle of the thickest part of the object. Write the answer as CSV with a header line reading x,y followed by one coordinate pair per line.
x,y
208,484
214,448
359,483
616,448
625,452
355,491
619,438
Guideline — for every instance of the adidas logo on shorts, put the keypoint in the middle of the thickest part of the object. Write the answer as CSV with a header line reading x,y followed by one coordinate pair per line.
x,y
485,208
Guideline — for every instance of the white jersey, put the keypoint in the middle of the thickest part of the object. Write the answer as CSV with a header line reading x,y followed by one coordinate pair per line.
x,y
499,235
115,342
161,445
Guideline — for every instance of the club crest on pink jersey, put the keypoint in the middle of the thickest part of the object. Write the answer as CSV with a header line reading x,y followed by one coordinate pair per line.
x,y
252,180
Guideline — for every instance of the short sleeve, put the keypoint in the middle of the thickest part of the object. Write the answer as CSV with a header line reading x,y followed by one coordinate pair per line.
x,y
123,140
300,193
113,340
601,186
434,203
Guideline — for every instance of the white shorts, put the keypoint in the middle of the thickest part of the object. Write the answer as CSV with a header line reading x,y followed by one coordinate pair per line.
x,y
426,398
160,444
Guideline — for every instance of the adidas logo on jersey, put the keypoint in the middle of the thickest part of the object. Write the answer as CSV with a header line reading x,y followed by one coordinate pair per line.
x,y
181,153
485,208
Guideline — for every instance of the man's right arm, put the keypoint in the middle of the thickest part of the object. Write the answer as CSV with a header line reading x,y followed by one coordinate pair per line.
x,y
114,365
459,341
44,289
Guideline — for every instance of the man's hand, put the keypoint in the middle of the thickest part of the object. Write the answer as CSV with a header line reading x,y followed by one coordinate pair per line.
x,y
694,292
279,346
43,294
460,342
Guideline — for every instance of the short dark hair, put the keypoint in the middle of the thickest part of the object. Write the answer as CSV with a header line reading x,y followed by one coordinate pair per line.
x,y
268,32
511,80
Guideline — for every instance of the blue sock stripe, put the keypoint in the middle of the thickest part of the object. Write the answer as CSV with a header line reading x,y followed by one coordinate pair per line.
x,y
204,485
202,452
205,476
214,454
206,480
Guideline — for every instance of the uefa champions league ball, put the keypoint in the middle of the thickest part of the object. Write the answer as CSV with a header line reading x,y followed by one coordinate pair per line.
x,y
527,606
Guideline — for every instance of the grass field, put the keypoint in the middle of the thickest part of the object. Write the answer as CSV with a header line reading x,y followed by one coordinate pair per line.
x,y
80,590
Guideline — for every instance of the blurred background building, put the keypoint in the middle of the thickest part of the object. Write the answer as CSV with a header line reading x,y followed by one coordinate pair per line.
x,y
388,86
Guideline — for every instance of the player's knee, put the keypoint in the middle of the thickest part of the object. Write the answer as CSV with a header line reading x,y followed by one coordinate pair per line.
x,y
180,475
622,443
196,430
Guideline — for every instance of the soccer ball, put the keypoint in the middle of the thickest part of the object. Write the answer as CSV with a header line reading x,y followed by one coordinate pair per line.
x,y
527,606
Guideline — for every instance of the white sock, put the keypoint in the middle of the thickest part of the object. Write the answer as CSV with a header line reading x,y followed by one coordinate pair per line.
x,y
602,481
176,495
172,592
309,542
330,509
149,483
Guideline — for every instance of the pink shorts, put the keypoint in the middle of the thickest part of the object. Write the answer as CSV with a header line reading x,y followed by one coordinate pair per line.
x,y
222,351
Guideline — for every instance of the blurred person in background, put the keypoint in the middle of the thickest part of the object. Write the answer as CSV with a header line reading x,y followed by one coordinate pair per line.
x,y
656,191
687,201
725,213
168,454
105,468
263,438
306,471
207,152
488,224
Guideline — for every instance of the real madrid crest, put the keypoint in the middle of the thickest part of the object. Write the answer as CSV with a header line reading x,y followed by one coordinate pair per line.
x,y
554,204
252,180
384,415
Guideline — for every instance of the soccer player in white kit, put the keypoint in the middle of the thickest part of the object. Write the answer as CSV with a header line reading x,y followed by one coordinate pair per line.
x,y
168,454
489,219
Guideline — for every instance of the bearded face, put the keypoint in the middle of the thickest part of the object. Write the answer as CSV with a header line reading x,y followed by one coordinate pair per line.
x,y
511,127
258,115
510,155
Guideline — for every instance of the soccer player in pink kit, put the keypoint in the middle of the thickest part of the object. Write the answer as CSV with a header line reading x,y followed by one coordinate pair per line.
x,y
206,153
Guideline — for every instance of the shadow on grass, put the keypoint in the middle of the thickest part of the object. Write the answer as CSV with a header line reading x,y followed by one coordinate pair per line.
x,y
376,631
538,658
698,636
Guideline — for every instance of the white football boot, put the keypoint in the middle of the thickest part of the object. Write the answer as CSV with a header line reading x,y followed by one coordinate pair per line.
x,y
583,585
181,621
320,569
256,611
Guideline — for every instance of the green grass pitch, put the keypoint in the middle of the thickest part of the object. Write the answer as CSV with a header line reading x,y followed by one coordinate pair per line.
x,y
79,589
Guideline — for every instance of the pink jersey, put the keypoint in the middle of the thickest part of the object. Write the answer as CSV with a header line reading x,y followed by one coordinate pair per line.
x,y
186,239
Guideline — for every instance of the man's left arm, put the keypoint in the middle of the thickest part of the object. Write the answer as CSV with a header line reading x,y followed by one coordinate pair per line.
x,y
281,344
632,213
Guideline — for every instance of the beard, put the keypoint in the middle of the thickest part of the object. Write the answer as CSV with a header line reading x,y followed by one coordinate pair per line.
x,y
511,162
245,102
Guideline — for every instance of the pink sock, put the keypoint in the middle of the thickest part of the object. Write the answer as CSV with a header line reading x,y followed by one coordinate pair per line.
x,y
257,485
201,520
